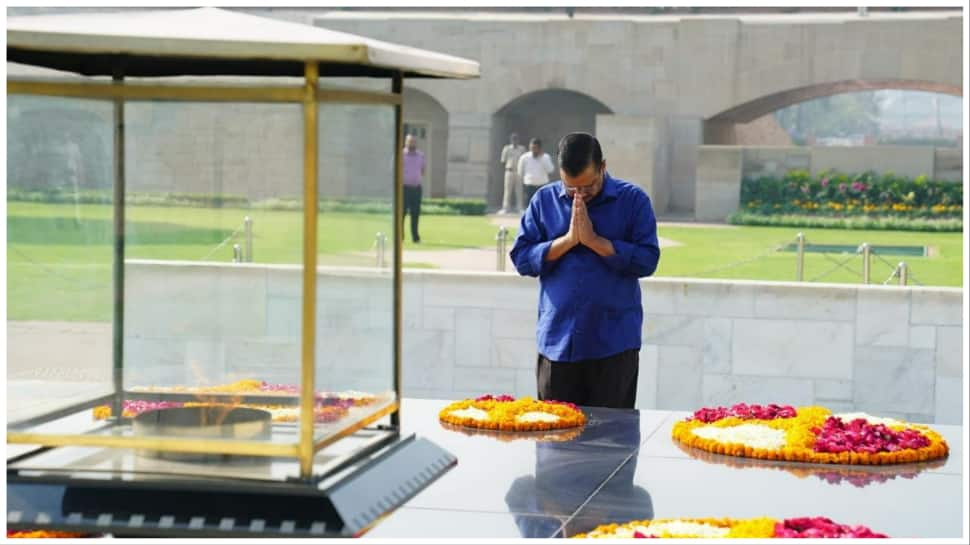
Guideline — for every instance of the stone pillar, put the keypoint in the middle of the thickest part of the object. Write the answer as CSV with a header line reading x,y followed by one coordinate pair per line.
x,y
636,150
718,182
469,158
685,135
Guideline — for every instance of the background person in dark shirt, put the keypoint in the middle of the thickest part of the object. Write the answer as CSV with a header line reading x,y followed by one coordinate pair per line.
x,y
589,237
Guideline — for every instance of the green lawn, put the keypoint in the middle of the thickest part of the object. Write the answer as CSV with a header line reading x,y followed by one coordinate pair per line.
x,y
58,269
711,252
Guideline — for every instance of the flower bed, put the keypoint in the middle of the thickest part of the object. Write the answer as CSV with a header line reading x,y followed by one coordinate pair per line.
x,y
712,528
506,413
869,199
808,434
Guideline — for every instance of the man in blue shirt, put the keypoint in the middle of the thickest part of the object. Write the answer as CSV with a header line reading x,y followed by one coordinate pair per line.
x,y
589,238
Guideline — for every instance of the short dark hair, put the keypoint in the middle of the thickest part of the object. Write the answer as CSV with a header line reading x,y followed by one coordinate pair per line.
x,y
535,141
578,150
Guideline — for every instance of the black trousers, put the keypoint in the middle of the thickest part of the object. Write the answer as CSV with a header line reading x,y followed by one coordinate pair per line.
x,y
412,205
606,382
530,190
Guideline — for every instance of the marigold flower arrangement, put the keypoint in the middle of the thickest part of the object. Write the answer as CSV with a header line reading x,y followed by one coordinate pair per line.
x,y
329,406
859,477
281,413
43,534
541,436
808,434
757,528
506,413
263,388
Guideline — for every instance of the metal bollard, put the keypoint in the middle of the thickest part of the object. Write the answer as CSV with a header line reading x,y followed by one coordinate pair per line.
x,y
903,270
501,239
248,232
236,254
866,262
800,263
381,242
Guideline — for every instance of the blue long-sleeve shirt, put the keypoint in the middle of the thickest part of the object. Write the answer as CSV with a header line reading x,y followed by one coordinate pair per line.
x,y
589,306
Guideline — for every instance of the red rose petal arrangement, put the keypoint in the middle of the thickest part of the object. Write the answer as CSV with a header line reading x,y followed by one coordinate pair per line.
x,y
711,528
329,406
808,434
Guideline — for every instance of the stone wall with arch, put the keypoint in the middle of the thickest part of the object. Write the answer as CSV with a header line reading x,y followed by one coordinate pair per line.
x,y
548,115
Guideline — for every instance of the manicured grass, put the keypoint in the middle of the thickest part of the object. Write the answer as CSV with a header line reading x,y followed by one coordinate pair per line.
x,y
58,269
709,252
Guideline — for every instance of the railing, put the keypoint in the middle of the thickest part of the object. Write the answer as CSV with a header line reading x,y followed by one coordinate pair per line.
x,y
846,261
900,271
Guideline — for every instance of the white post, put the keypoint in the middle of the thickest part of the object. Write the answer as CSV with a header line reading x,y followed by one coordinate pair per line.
x,y
248,230
500,241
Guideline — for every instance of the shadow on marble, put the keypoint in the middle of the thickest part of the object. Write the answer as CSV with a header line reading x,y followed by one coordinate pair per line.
x,y
927,507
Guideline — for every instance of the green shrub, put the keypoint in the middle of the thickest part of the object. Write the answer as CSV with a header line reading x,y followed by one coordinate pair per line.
x,y
431,206
856,222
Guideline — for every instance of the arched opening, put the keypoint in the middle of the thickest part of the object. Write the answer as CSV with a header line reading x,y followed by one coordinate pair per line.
x,y
427,119
730,126
546,115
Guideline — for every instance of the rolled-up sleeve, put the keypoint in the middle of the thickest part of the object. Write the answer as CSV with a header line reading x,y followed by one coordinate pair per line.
x,y
531,247
639,256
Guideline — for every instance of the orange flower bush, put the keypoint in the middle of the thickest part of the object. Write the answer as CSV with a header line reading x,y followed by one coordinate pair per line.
x,y
509,414
805,439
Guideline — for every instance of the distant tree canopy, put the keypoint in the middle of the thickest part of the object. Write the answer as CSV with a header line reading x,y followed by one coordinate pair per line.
x,y
836,115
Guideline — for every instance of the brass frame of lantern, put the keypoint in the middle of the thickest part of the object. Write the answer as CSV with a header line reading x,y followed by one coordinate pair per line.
x,y
309,95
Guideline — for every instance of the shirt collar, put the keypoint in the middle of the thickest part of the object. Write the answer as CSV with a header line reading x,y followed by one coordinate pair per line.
x,y
608,193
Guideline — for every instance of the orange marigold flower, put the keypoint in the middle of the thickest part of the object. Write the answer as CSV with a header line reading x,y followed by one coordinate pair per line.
x,y
507,414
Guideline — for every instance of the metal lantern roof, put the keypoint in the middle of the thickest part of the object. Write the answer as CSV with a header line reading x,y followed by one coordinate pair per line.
x,y
211,41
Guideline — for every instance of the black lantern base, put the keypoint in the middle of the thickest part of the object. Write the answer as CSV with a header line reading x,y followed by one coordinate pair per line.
x,y
344,506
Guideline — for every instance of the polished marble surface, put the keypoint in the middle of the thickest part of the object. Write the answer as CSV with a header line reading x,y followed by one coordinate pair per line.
x,y
928,505
624,465
502,473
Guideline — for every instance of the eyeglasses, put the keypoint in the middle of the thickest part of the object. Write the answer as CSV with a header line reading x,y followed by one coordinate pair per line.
x,y
584,189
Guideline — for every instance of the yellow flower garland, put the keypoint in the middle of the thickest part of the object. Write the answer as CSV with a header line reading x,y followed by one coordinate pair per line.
x,y
542,436
805,471
800,440
503,415
757,528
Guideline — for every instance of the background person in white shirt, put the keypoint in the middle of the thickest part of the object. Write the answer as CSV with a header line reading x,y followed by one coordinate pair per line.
x,y
510,160
534,169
